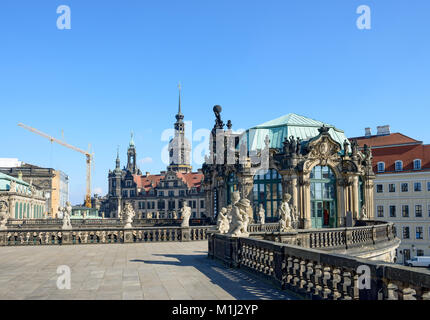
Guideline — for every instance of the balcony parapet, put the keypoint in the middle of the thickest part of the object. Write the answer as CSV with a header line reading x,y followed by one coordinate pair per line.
x,y
49,236
318,274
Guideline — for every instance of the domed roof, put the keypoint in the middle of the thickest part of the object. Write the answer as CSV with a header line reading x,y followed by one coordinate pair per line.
x,y
289,125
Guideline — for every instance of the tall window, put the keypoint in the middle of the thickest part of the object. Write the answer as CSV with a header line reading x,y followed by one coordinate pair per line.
x,y
406,234
398,165
392,211
379,188
405,211
268,191
419,233
391,187
417,186
380,211
381,166
417,164
418,211
404,187
323,197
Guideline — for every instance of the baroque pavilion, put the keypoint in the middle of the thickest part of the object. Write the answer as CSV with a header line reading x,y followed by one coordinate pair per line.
x,y
329,179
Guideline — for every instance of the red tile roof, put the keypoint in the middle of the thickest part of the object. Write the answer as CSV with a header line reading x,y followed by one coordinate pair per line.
x,y
393,147
385,140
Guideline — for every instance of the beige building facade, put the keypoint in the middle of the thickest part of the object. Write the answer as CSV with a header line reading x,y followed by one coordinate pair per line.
x,y
402,188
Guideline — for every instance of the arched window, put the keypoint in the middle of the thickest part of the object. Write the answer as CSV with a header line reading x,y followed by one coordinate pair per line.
x,y
323,197
398,165
417,164
381,166
268,191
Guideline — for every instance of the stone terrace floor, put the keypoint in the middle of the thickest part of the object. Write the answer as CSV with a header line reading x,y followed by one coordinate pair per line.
x,y
153,271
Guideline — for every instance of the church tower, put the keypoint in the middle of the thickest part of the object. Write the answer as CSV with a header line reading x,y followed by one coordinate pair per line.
x,y
131,157
179,146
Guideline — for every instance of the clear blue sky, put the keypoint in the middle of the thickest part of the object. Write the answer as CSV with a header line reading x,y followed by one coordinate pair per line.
x,y
117,70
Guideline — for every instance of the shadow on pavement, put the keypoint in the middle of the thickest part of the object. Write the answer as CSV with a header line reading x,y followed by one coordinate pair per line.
x,y
239,284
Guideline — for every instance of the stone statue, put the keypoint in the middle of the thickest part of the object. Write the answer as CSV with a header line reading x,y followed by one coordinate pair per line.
x,y
262,214
285,214
175,215
354,147
157,215
67,213
4,214
345,147
240,217
286,144
364,213
223,224
128,214
185,214
12,186
293,145
299,146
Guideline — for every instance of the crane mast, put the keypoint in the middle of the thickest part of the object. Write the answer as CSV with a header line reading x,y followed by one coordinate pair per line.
x,y
88,157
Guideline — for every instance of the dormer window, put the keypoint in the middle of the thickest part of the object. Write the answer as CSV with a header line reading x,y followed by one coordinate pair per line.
x,y
128,183
417,164
398,165
381,166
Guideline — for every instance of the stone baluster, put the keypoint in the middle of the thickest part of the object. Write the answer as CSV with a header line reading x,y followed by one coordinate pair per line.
x,y
309,273
409,294
296,278
326,282
317,280
346,285
290,272
336,280
426,296
302,270
392,292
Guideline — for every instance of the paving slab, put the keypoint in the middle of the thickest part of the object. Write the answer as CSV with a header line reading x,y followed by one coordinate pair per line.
x,y
154,271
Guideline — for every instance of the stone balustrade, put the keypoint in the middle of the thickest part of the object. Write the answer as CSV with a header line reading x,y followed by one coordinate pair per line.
x,y
317,274
84,223
48,236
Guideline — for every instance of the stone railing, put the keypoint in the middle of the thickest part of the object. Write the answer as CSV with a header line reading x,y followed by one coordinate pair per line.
x,y
84,223
316,274
19,237
375,234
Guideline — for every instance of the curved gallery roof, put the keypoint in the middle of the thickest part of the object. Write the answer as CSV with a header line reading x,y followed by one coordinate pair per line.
x,y
289,125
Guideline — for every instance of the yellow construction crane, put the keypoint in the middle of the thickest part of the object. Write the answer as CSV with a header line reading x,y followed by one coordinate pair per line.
x,y
88,155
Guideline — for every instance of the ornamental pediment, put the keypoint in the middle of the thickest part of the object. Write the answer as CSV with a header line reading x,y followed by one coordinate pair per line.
x,y
323,147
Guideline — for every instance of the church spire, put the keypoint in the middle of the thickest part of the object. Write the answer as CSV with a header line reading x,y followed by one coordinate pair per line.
x,y
179,124
132,140
117,162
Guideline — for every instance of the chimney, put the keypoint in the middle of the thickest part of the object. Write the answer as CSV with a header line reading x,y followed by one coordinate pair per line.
x,y
367,132
383,130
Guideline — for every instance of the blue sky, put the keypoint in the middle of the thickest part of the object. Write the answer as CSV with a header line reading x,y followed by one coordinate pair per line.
x,y
117,71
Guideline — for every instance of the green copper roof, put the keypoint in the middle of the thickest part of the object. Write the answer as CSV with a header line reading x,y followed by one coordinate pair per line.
x,y
289,125
6,179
